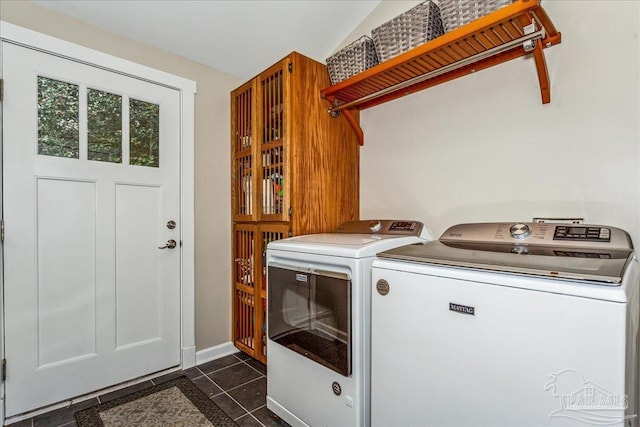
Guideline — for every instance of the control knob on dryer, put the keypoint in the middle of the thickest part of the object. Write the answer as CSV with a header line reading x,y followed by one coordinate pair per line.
x,y
375,225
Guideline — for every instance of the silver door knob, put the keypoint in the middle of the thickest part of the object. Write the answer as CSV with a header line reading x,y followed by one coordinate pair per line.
x,y
170,244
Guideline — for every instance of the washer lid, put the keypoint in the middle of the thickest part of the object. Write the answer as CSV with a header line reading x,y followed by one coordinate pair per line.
x,y
544,250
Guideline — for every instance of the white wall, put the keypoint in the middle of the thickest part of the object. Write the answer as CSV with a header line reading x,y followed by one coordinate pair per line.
x,y
484,148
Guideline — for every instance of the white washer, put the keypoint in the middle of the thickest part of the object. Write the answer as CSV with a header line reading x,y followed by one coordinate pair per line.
x,y
318,345
506,324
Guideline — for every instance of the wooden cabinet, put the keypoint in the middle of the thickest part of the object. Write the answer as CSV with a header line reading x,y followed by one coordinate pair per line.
x,y
295,170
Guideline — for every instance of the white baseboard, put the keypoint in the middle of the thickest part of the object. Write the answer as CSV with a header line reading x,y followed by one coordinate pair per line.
x,y
188,357
215,352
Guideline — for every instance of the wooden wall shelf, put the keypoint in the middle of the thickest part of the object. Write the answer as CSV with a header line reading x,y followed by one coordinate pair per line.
x,y
501,36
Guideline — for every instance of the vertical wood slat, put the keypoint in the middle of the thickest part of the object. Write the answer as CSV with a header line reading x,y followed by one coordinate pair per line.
x,y
272,94
240,135
265,109
280,105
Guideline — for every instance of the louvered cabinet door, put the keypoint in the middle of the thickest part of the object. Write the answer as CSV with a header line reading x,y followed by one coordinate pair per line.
x,y
243,147
272,127
250,284
244,289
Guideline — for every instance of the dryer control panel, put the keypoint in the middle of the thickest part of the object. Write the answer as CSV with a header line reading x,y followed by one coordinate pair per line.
x,y
382,226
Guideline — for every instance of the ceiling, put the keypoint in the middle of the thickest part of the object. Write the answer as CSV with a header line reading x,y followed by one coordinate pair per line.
x,y
240,37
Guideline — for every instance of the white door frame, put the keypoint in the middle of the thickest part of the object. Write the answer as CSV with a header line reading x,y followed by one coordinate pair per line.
x,y
187,88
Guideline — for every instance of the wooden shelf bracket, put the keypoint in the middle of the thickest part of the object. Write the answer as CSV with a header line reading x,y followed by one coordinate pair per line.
x,y
349,115
543,73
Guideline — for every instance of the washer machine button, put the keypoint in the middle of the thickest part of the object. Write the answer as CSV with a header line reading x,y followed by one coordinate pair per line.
x,y
520,231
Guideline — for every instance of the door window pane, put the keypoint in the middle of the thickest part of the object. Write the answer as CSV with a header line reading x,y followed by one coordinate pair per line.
x,y
144,133
104,124
58,118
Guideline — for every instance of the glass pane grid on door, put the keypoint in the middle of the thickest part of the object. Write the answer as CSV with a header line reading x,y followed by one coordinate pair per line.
x,y
118,129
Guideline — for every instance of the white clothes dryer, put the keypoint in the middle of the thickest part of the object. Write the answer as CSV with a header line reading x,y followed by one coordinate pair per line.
x,y
318,320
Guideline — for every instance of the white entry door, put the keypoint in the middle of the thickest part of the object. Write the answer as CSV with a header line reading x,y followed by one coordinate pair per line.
x,y
91,183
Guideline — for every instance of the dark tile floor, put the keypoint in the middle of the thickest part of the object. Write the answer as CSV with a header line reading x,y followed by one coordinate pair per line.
x,y
236,383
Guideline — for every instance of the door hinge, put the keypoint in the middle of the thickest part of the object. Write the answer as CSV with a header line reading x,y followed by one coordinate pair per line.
x,y
1,90
4,369
290,67
290,211
1,230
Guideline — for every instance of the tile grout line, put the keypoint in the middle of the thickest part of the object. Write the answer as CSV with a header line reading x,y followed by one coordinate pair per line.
x,y
264,375
239,385
259,407
247,412
255,418
224,367
238,403
245,409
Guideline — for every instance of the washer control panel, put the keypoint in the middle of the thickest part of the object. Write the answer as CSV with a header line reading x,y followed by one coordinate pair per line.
x,y
579,233
540,234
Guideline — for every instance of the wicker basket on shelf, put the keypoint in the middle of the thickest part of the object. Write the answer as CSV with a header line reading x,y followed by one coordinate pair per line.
x,y
456,13
408,30
352,59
